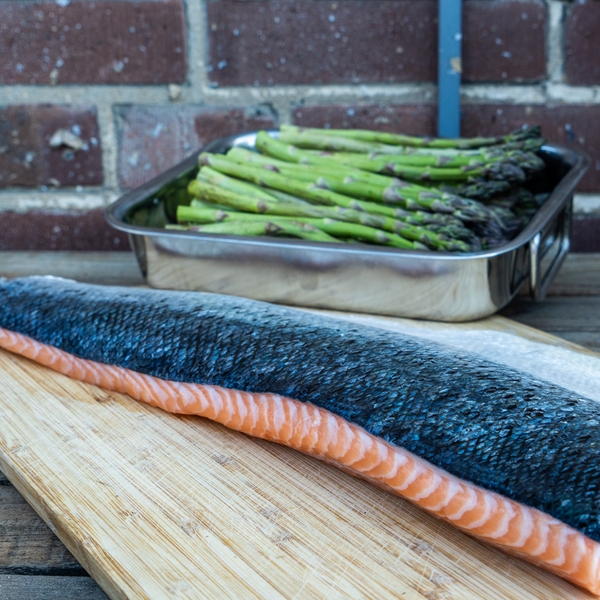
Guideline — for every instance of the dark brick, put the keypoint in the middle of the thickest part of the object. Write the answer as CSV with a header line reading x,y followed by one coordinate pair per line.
x,y
582,43
574,125
41,230
26,158
309,41
92,42
586,235
504,41
156,138
412,119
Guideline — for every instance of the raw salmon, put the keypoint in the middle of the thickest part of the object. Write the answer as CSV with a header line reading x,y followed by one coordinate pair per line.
x,y
502,456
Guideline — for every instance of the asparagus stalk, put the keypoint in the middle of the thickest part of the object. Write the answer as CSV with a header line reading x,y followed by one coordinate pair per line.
x,y
304,190
339,229
303,138
525,161
304,231
410,199
314,194
390,165
442,223
308,163
252,205
405,140
390,191
288,198
197,203
405,155
235,185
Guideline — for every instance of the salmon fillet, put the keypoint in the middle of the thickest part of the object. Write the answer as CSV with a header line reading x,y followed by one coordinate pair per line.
x,y
346,441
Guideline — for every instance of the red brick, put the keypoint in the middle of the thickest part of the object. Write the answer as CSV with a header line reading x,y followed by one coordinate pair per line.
x,y
504,41
92,42
152,139
26,158
573,125
582,42
40,230
310,41
412,119
586,235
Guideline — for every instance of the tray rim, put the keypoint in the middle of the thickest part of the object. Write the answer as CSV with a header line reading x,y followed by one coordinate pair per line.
x,y
115,212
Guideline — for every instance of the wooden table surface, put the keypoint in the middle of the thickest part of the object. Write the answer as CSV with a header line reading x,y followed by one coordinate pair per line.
x,y
34,564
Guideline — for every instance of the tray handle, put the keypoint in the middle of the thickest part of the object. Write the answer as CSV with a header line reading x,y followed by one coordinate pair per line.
x,y
539,281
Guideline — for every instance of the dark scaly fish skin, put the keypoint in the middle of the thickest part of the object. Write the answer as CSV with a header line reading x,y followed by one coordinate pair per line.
x,y
526,439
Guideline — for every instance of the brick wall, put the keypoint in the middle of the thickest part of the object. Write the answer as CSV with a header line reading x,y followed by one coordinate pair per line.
x,y
97,97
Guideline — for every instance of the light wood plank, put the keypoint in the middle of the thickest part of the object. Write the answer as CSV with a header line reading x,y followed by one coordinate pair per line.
x,y
20,587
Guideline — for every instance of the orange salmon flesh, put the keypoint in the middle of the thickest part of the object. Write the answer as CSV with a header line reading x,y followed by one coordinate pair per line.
x,y
487,516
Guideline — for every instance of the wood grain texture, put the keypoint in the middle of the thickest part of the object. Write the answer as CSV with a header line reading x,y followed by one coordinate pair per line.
x,y
579,276
589,339
27,545
160,506
107,268
573,318
21,587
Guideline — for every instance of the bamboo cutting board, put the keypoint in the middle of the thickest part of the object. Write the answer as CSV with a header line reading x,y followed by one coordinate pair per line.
x,y
157,506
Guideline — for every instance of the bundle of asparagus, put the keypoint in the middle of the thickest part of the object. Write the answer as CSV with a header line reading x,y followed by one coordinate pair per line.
x,y
457,195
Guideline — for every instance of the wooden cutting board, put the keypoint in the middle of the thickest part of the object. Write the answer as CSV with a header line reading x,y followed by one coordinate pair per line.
x,y
157,506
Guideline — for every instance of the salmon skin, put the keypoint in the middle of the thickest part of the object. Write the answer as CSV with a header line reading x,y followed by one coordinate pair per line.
x,y
481,426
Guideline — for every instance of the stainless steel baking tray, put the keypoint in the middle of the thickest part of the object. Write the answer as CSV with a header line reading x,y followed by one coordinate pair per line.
x,y
359,278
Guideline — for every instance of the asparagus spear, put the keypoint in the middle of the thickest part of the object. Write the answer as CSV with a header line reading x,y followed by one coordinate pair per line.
x,y
525,161
330,226
392,166
312,193
303,138
405,140
304,190
288,198
229,183
197,203
252,205
304,231
411,196
307,162
408,155
445,224
235,201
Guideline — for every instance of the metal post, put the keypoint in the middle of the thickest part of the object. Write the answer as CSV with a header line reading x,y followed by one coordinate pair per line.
x,y
449,68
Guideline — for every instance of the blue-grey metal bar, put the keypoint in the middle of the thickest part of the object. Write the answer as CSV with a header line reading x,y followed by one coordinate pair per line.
x,y
449,67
